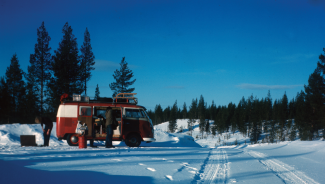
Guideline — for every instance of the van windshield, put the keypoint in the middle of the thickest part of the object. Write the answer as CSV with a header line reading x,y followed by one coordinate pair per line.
x,y
135,113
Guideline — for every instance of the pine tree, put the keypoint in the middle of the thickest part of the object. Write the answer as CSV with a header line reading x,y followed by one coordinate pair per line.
x,y
249,113
302,113
32,105
207,127
283,115
235,119
193,109
158,114
5,98
151,115
179,114
122,78
66,69
87,60
321,63
40,62
268,106
184,111
213,109
242,116
213,131
172,126
97,93
16,88
255,120
316,100
190,123
220,120
293,133
207,111
201,113
230,113
166,114
292,109
191,116
275,121
321,70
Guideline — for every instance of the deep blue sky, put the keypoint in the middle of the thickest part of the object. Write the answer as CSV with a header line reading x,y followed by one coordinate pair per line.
x,y
179,50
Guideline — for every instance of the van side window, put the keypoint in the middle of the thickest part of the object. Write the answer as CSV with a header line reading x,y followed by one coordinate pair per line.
x,y
143,113
133,113
100,113
85,111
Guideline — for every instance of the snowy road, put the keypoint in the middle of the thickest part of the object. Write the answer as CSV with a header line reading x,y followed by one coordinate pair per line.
x,y
215,167
285,172
177,158
146,165
123,164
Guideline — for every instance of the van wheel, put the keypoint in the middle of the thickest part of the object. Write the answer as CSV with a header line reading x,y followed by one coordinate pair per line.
x,y
133,140
72,140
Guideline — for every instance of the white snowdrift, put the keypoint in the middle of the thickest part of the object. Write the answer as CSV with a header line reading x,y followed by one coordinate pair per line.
x,y
10,134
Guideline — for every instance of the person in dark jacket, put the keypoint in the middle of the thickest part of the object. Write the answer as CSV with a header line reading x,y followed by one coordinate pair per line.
x,y
47,129
110,121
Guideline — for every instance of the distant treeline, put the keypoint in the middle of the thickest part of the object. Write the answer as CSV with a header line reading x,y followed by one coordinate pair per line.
x,y
251,115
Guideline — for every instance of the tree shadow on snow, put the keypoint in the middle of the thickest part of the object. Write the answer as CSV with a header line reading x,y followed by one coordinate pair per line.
x,y
13,173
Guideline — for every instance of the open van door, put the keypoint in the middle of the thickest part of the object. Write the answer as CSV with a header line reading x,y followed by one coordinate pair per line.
x,y
130,127
85,117
117,133
120,123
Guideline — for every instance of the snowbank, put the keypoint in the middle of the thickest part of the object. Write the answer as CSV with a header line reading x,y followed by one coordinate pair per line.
x,y
165,139
181,126
10,134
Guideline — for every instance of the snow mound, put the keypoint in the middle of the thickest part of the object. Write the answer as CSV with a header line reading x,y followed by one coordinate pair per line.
x,y
165,139
10,134
181,125
205,140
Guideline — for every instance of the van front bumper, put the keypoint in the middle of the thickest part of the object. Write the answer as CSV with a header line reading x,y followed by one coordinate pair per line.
x,y
149,139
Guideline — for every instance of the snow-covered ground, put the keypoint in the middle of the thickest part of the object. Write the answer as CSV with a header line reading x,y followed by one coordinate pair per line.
x,y
174,158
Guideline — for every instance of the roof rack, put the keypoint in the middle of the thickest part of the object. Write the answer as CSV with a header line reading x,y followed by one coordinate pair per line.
x,y
125,98
119,98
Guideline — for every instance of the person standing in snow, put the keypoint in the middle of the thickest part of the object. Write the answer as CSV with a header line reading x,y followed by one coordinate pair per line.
x,y
110,121
47,129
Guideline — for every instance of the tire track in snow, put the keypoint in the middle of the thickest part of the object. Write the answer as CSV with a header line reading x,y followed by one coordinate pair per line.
x,y
214,169
285,172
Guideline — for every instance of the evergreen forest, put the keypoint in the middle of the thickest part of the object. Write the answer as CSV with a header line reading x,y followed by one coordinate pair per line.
x,y
302,117
37,92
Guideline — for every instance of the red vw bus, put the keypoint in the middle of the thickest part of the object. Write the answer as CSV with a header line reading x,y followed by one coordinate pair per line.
x,y
134,124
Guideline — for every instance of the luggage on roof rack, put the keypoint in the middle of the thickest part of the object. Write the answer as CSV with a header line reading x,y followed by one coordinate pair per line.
x,y
79,98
